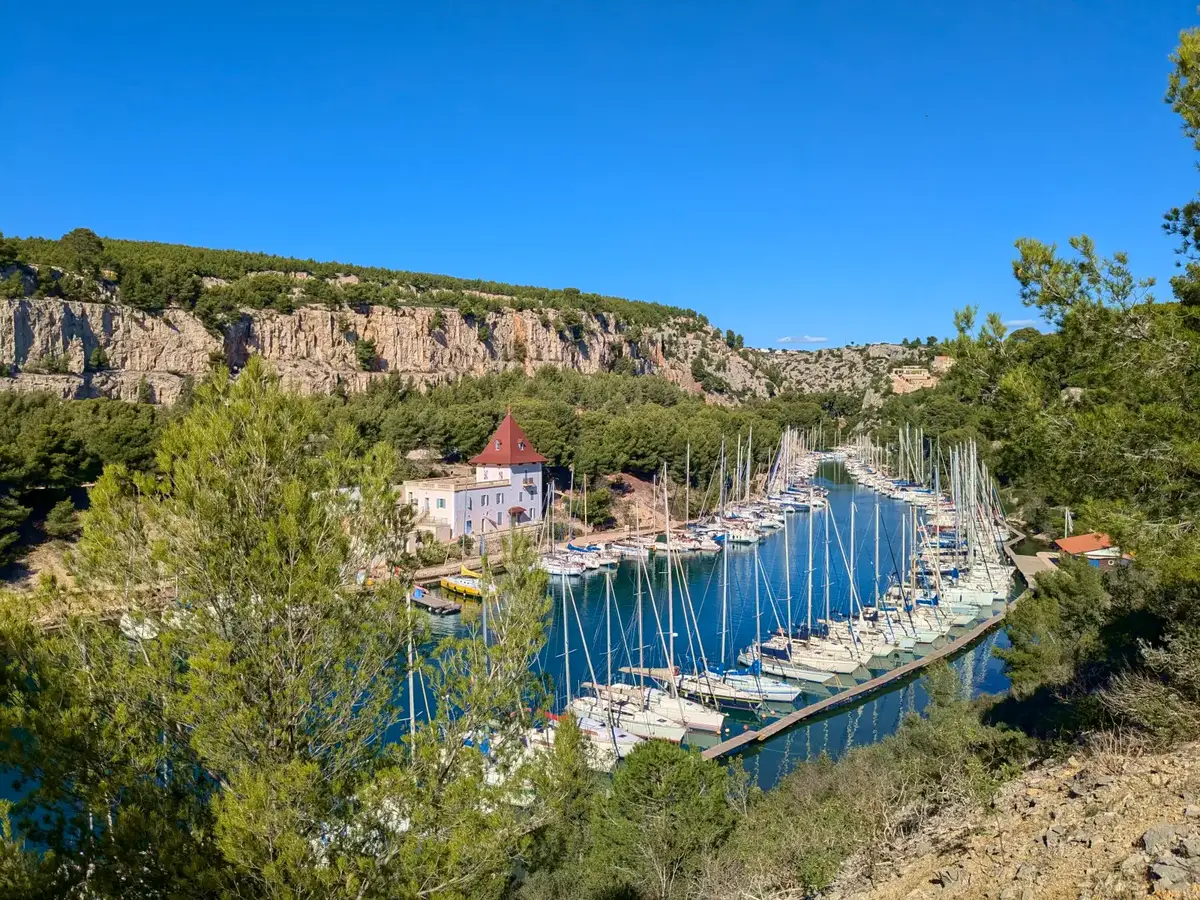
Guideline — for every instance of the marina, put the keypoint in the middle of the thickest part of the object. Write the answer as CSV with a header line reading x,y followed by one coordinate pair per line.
x,y
841,585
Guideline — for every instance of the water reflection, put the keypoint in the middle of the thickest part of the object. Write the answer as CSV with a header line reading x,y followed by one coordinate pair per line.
x,y
695,618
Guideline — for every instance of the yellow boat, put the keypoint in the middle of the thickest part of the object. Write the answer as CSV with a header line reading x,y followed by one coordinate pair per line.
x,y
466,583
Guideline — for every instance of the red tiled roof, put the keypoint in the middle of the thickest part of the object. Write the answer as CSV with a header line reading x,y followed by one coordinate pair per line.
x,y
507,447
1084,543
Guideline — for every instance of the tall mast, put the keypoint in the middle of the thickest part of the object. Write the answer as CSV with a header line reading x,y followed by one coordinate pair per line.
x,y
687,483
853,570
641,566
725,596
721,489
608,626
787,573
566,637
875,583
412,689
670,592
737,473
724,565
758,614
570,514
749,460
915,551
827,511
810,569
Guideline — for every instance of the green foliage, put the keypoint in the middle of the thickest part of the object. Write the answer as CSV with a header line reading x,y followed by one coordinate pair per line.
x,y
483,332
1055,628
240,741
569,789
666,814
601,424
795,837
145,393
13,287
709,381
437,322
53,445
154,276
62,521
85,251
570,325
97,359
599,513
12,516
364,353
51,363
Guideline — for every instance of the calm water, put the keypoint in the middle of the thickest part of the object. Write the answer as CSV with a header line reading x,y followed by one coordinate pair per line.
x,y
866,722
697,619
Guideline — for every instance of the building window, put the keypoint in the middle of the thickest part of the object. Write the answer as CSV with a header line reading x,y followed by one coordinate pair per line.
x,y
468,501
497,443
499,499
441,504
520,445
499,518
483,500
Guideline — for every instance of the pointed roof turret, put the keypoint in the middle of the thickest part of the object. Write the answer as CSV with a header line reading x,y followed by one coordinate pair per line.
x,y
508,447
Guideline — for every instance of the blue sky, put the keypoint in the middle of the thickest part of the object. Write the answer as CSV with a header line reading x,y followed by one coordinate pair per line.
x,y
841,170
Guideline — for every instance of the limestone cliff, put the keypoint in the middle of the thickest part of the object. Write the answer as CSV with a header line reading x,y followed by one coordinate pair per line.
x,y
52,344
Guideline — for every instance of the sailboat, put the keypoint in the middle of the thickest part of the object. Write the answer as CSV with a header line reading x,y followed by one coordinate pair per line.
x,y
700,685
664,702
623,710
754,682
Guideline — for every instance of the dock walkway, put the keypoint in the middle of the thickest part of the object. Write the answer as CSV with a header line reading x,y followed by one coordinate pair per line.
x,y
850,694
1028,566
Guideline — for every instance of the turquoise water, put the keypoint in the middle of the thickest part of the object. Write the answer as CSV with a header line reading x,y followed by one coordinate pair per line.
x,y
700,638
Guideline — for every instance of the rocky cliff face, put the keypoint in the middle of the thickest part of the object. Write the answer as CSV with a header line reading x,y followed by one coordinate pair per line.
x,y
52,344
839,368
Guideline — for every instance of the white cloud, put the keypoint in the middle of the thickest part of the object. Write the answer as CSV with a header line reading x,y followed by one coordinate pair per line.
x,y
802,339
1020,323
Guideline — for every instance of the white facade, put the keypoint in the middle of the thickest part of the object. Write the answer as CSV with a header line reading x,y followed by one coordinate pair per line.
x,y
485,504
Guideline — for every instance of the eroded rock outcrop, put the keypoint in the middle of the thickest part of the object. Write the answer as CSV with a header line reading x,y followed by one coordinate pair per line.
x,y
80,349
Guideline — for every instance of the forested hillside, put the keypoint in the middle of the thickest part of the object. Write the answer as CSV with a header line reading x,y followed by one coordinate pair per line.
x,y
1098,414
87,317
216,284
600,425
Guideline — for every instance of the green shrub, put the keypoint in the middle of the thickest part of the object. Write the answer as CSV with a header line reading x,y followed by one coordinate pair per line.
x,y
364,352
62,521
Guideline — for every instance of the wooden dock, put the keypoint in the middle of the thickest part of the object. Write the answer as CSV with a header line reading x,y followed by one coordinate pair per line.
x,y
858,692
1028,566
438,606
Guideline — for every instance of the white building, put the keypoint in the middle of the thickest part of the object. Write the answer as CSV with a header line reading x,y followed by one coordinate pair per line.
x,y
505,490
